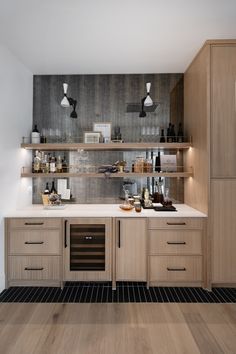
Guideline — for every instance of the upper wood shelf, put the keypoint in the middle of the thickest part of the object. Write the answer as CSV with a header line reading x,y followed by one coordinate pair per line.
x,y
110,146
111,175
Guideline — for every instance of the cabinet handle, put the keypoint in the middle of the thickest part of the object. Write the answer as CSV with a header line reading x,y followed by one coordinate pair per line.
x,y
65,234
176,269
41,268
34,223
176,223
119,233
176,242
34,242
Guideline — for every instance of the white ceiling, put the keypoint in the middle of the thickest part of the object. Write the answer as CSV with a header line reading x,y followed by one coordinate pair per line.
x,y
112,36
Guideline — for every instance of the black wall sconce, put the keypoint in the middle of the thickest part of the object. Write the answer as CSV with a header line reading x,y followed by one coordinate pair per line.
x,y
68,101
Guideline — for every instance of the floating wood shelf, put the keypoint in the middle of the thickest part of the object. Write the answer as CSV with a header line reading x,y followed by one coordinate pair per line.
x,y
111,175
110,146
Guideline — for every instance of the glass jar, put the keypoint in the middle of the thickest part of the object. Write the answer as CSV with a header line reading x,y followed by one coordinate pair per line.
x,y
139,164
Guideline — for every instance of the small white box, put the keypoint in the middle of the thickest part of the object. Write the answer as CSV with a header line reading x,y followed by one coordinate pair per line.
x,y
168,163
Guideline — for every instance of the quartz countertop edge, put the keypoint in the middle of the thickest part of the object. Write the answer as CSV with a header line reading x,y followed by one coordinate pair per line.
x,y
100,210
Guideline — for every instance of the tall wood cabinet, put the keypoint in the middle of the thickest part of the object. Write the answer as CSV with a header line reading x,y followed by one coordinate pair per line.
x,y
210,117
131,249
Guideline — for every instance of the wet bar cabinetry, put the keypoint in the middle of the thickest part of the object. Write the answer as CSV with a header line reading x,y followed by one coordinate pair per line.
x,y
210,114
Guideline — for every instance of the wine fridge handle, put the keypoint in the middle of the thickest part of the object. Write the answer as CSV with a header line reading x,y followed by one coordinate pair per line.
x,y
119,233
65,234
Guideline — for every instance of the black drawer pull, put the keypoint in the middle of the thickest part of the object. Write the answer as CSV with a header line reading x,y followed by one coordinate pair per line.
x,y
65,233
34,223
119,234
176,269
41,268
88,237
176,223
176,242
34,242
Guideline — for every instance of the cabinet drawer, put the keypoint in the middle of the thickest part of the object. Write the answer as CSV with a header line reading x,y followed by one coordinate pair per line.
x,y
34,268
34,241
175,268
175,223
175,242
35,223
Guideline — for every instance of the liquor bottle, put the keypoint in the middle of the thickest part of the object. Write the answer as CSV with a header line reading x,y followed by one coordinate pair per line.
x,y
180,137
169,137
44,163
64,165
173,135
158,163
53,189
162,139
52,165
35,135
59,164
46,190
37,162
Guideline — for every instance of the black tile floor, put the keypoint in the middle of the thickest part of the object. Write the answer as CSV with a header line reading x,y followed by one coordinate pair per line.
x,y
126,292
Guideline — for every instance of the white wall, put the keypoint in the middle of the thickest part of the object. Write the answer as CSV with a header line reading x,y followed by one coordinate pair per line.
x,y
16,100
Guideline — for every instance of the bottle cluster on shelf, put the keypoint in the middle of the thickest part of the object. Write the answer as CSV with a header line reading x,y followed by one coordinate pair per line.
x,y
48,163
171,136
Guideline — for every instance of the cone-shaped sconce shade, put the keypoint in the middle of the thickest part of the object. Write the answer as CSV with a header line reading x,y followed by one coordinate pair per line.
x,y
148,101
64,102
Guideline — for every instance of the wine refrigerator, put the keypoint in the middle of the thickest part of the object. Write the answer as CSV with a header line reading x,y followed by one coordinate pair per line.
x,y
87,249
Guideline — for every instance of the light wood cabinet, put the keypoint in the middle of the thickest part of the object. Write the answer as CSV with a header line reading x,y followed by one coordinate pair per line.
x,y
223,117
210,116
175,269
33,251
223,231
175,248
131,249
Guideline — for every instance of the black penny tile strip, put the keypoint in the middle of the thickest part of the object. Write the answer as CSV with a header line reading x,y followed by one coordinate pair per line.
x,y
90,292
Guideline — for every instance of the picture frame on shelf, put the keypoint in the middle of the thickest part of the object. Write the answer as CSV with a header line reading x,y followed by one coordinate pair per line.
x,y
92,137
105,129
168,163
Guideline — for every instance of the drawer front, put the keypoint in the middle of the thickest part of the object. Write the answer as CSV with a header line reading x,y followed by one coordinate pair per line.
x,y
34,242
35,223
175,242
34,268
175,223
175,268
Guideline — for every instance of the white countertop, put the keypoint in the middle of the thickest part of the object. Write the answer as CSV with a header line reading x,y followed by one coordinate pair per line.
x,y
101,210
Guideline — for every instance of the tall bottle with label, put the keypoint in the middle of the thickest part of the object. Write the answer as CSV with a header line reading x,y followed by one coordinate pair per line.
x,y
52,165
37,162
180,136
35,135
59,164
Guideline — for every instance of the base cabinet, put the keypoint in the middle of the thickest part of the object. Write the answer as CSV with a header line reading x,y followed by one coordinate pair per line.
x,y
175,251
131,249
33,251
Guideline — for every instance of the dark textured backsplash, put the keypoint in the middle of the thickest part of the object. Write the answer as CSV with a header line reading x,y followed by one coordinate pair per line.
x,y
104,98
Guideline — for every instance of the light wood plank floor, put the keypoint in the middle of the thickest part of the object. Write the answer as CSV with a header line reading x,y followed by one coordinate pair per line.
x,y
117,328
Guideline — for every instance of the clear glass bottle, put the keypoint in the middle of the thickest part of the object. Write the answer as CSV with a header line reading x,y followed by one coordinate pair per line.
x,y
52,165
59,164
37,162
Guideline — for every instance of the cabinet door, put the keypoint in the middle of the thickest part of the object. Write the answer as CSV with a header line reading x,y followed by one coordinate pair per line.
x,y
223,111
223,231
131,250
